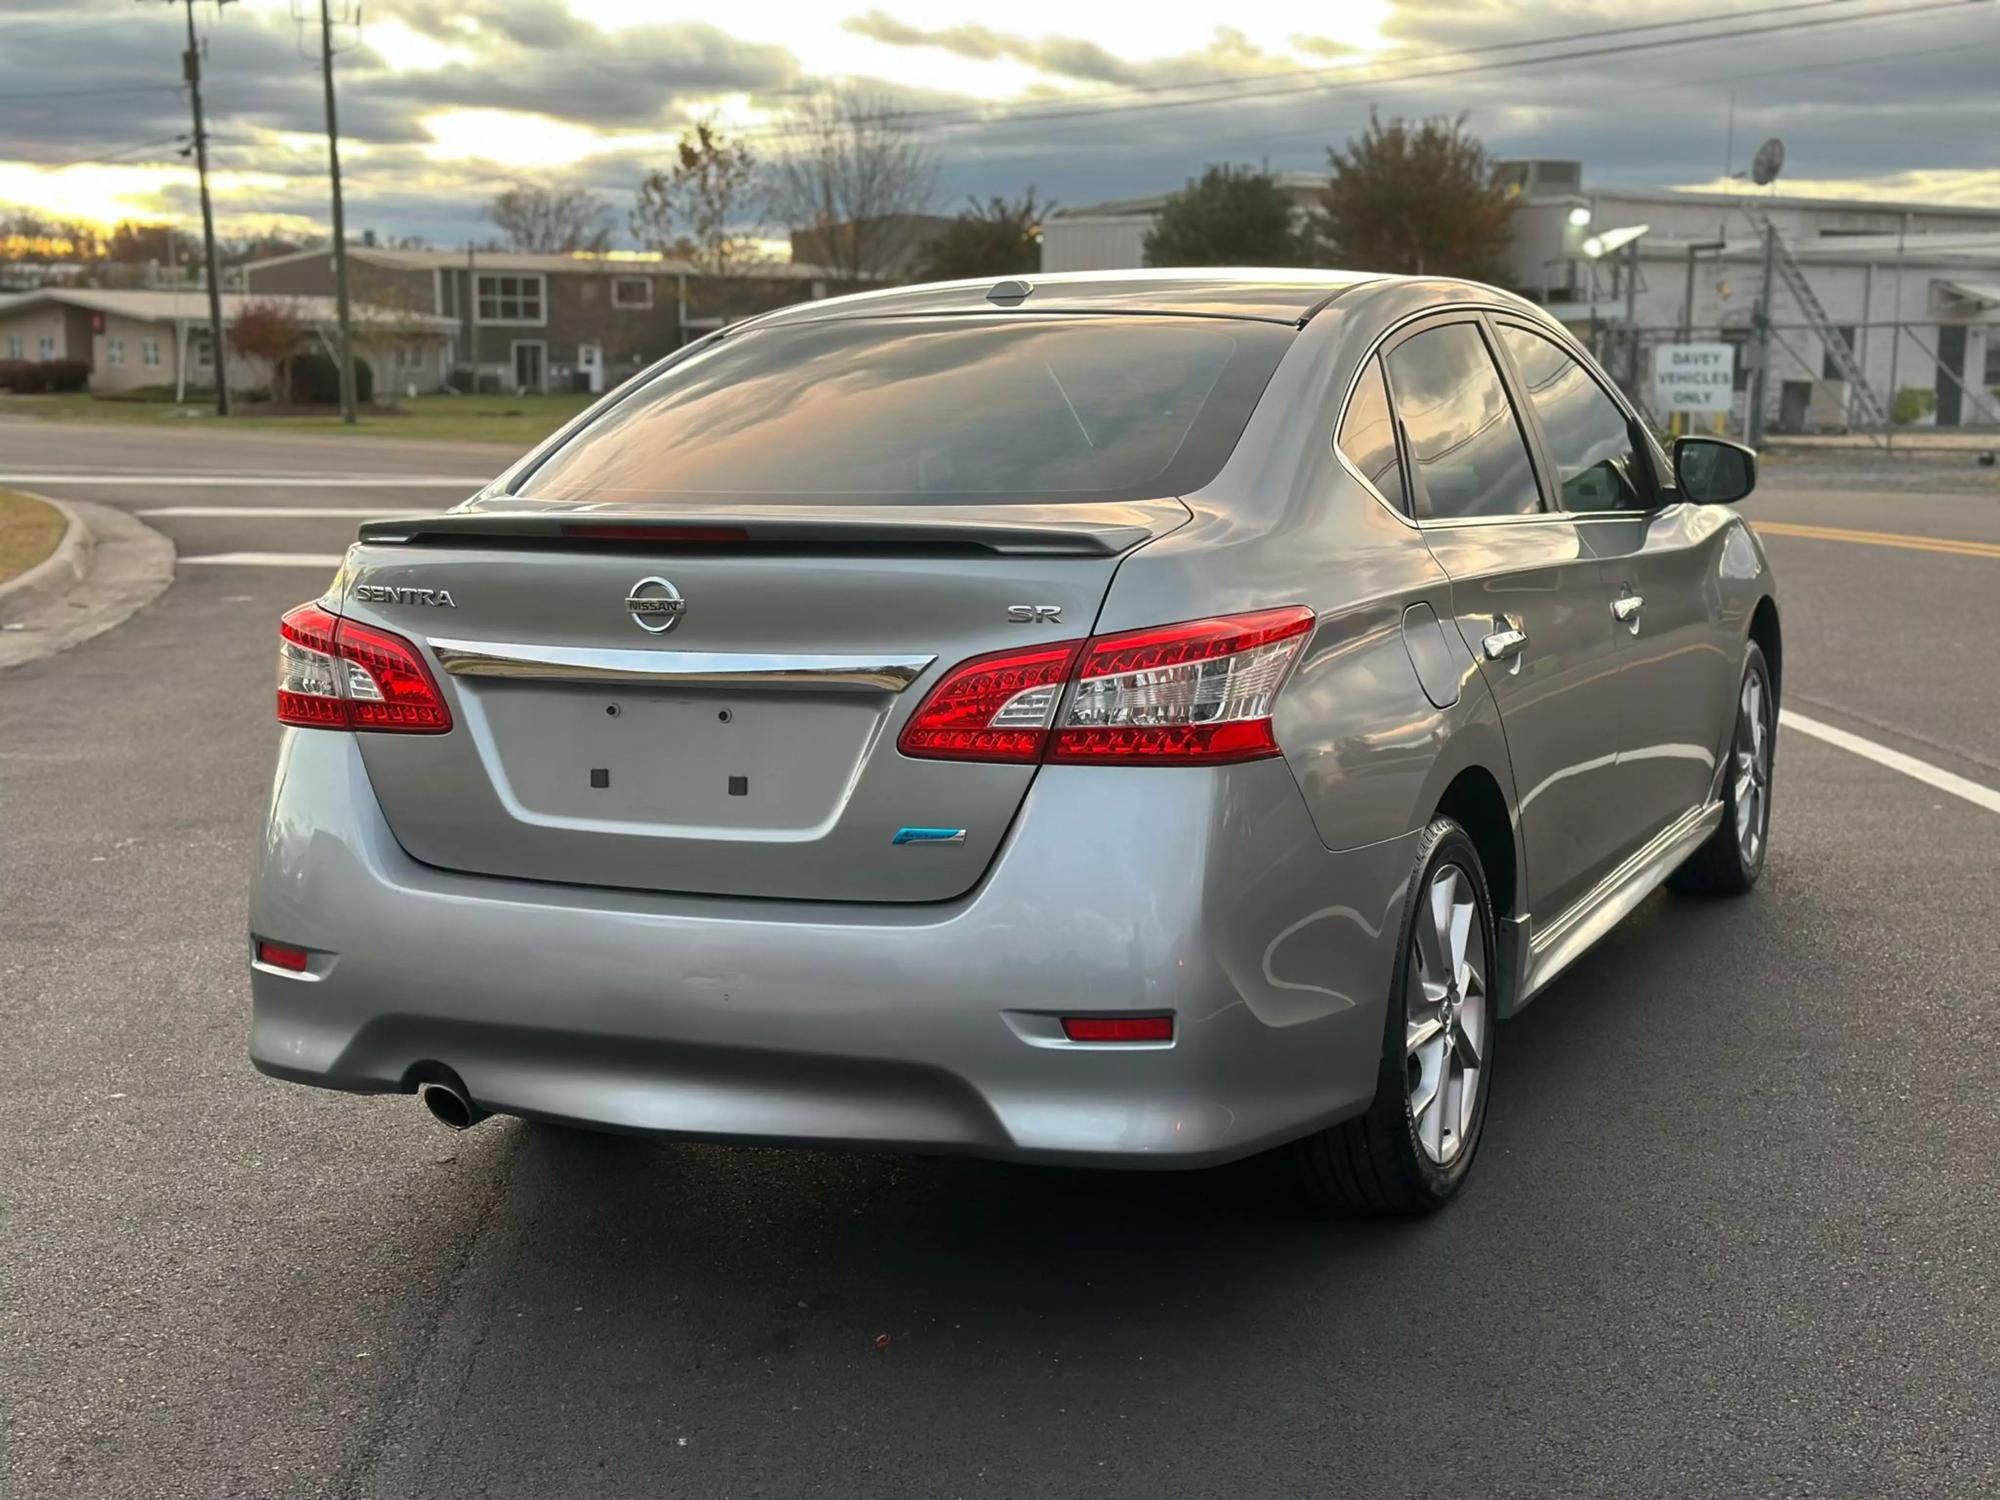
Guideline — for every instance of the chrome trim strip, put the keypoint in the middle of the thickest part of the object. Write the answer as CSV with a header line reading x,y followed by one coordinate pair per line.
x,y
870,674
1601,908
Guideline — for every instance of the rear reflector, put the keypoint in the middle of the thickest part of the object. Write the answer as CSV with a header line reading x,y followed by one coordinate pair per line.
x,y
1197,693
341,674
1118,1028
278,956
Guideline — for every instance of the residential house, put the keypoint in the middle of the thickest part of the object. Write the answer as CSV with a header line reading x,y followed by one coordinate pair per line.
x,y
140,338
542,322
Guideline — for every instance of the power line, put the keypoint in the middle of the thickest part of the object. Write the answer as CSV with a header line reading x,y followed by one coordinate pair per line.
x,y
1239,80
137,88
1787,70
108,157
1253,88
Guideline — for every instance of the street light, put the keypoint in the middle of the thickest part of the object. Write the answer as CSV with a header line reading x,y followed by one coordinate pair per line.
x,y
1580,215
1609,243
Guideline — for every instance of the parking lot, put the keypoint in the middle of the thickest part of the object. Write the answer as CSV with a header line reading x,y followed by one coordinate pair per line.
x,y
1732,1231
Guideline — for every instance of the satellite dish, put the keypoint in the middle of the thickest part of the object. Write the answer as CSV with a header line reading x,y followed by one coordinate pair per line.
x,y
1768,163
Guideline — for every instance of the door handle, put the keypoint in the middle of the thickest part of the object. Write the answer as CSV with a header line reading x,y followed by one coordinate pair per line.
x,y
1504,645
1626,609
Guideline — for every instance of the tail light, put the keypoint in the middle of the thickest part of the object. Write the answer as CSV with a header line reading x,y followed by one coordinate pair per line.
x,y
1200,692
340,674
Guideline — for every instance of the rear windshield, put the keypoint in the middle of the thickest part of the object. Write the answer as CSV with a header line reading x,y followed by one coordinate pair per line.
x,y
930,410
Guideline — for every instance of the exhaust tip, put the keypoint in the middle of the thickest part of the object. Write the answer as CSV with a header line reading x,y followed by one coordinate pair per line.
x,y
449,1106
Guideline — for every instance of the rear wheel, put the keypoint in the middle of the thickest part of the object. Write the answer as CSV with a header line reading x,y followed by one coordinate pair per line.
x,y
1408,1154
1732,858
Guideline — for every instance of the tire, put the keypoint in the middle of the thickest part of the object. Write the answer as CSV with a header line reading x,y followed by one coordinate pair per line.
x,y
1407,1156
1732,857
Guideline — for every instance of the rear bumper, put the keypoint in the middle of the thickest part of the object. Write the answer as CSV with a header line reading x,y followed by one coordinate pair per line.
x,y
1200,892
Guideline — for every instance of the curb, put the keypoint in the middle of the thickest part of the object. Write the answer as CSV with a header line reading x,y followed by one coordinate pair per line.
x,y
108,566
56,574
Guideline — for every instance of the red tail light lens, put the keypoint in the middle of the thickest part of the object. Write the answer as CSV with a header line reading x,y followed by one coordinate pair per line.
x,y
996,707
1198,692
340,674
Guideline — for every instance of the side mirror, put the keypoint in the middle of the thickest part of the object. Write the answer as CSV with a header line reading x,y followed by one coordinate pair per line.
x,y
1713,471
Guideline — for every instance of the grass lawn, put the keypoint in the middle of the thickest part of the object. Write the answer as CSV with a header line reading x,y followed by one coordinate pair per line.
x,y
516,420
29,531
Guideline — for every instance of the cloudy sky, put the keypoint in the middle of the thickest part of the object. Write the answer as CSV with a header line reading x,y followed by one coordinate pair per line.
x,y
445,102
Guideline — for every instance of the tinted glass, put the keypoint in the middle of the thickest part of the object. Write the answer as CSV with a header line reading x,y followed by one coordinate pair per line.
x,y
1463,436
931,410
1590,442
1368,436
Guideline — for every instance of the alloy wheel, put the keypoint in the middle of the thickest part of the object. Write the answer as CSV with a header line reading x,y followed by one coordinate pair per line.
x,y
1446,1014
1752,769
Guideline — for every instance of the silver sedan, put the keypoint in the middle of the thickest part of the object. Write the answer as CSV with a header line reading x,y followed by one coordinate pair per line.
x,y
1137,719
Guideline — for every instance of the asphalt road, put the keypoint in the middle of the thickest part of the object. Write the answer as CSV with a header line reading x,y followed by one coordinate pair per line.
x,y
1733,1230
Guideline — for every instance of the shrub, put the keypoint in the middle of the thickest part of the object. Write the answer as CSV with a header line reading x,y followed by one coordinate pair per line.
x,y
1913,404
28,376
316,380
461,380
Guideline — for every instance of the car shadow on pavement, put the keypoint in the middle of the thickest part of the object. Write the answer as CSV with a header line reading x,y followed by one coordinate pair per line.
x,y
739,1297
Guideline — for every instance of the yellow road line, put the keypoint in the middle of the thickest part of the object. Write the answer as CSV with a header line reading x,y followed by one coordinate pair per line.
x,y
1954,545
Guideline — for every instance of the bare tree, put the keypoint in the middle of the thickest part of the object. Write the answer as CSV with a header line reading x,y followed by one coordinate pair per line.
x,y
853,186
697,207
552,221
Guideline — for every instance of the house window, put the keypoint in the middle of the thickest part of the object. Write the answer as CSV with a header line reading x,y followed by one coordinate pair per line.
x,y
510,299
149,353
631,291
409,357
203,350
114,351
47,346
13,346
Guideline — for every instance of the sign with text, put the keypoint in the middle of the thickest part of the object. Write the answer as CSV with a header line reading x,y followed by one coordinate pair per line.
x,y
1694,377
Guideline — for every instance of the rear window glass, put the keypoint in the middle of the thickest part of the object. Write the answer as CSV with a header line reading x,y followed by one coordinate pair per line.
x,y
930,410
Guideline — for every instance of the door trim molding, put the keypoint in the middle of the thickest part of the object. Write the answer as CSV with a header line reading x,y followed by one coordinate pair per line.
x,y
1556,946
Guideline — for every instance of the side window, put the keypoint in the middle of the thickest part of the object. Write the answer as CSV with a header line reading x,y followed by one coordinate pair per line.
x,y
1368,437
1465,441
1590,442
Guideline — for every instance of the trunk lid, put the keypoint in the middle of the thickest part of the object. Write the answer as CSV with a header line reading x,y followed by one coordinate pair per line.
x,y
746,744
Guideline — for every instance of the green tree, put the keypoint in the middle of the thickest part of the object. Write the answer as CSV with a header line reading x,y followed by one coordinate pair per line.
x,y
1232,217
1415,199
994,238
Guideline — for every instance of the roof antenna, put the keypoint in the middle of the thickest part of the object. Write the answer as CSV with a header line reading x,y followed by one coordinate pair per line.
x,y
1010,293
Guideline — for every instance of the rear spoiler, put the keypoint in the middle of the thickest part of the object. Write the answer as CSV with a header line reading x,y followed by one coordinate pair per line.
x,y
1084,529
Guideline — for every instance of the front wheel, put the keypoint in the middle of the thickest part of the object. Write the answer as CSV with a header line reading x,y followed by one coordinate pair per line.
x,y
1408,1154
1732,858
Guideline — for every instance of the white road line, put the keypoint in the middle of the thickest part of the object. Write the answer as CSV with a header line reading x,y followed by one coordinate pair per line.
x,y
266,560
1895,760
264,512
265,481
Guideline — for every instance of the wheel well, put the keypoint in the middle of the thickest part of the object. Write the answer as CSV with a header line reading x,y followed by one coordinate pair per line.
x,y
1474,798
1764,631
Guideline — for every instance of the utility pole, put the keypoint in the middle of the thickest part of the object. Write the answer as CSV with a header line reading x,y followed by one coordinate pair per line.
x,y
347,412
191,71
1896,333
1755,425
1632,319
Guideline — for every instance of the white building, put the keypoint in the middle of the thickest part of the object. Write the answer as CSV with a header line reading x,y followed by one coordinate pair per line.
x,y
132,339
1932,269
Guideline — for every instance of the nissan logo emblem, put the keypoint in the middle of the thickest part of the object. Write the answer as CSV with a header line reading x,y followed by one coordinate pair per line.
x,y
655,605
